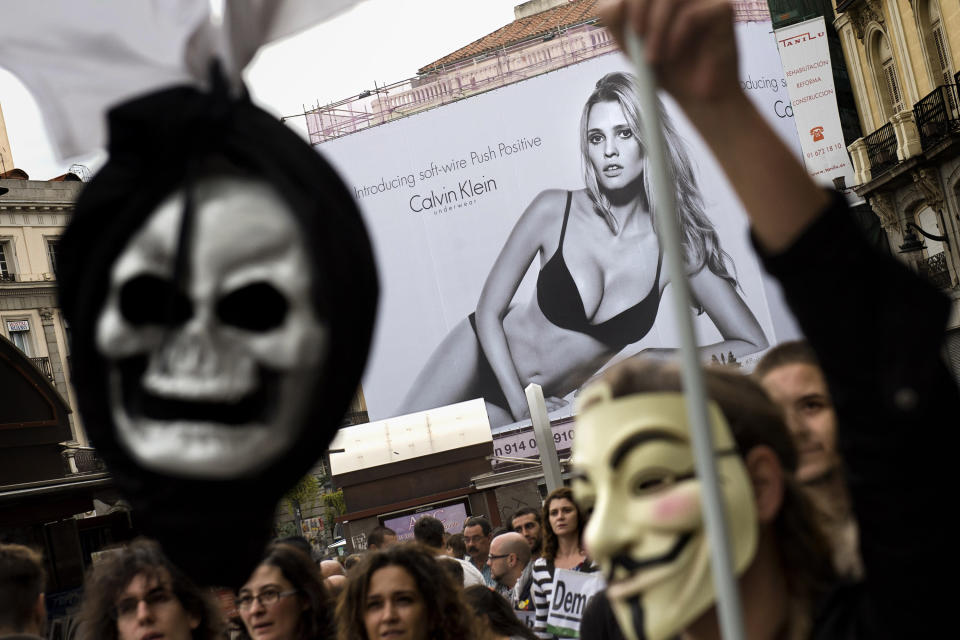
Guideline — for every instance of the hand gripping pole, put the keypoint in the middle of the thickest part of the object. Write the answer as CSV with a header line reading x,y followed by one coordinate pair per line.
x,y
664,196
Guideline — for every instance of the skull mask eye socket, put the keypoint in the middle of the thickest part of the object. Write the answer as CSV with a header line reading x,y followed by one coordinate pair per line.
x,y
254,307
149,299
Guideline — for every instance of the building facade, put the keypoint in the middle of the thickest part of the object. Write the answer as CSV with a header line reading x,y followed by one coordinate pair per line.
x,y
903,57
33,215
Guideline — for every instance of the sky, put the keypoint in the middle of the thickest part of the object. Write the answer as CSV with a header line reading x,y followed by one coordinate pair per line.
x,y
380,41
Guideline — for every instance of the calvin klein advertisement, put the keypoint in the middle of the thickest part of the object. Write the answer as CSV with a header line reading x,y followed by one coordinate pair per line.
x,y
516,240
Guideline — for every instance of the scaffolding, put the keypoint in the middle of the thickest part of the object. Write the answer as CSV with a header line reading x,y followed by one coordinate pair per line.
x,y
489,70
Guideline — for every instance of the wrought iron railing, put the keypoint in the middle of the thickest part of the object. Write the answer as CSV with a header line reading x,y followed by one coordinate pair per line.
x,y
88,461
936,114
84,460
355,417
43,364
882,149
936,271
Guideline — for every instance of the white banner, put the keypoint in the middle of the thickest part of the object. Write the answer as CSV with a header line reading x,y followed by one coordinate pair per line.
x,y
466,204
571,592
805,56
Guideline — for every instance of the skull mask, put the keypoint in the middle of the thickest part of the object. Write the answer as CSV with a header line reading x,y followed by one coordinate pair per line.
x,y
211,379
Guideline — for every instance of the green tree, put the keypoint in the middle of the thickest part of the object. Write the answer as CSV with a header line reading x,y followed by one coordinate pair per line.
x,y
303,495
334,506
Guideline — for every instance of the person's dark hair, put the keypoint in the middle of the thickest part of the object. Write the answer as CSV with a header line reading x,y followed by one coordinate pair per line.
x,y
487,603
22,579
550,541
107,579
447,616
456,544
480,521
754,421
316,621
429,531
453,568
794,352
298,542
378,535
526,511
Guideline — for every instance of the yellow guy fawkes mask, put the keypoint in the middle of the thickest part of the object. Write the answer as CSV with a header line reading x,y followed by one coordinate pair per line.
x,y
635,464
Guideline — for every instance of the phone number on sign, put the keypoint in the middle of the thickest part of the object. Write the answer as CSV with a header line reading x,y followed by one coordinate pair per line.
x,y
524,445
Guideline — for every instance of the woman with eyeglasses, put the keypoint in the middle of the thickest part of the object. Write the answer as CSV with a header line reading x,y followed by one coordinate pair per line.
x,y
284,598
136,593
403,593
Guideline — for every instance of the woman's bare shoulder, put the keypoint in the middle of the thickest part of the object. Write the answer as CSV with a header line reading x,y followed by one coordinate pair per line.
x,y
549,200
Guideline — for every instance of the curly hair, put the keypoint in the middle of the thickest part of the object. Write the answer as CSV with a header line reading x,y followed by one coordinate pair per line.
x,y
699,239
316,620
550,541
447,618
106,580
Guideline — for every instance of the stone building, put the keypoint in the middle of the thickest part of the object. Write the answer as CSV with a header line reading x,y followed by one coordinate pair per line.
x,y
33,215
903,59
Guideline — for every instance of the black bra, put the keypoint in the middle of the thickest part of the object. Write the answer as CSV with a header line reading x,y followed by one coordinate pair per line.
x,y
561,304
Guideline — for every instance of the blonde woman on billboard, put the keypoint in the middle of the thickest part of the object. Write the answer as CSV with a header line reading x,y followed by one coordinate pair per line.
x,y
600,281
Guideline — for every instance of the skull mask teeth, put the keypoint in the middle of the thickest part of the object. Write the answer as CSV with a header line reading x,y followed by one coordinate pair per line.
x,y
213,379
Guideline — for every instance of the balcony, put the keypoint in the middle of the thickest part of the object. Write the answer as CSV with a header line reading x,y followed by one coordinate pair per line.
x,y
935,270
43,364
936,115
81,459
882,149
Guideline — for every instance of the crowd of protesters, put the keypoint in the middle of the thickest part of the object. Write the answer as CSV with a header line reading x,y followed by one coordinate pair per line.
x,y
819,457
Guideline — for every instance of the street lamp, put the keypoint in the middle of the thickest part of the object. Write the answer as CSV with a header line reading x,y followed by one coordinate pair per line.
x,y
912,243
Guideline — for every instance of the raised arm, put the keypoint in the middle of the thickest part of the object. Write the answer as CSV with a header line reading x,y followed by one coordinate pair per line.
x,y
877,327
523,244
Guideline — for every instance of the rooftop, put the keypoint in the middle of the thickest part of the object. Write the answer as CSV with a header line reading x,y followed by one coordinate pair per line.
x,y
525,28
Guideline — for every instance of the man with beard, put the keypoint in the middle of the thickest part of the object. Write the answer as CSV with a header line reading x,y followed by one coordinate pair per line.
x,y
476,535
23,614
509,559
526,522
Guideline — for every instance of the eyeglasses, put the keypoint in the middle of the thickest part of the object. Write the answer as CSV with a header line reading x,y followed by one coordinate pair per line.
x,y
266,598
128,606
493,556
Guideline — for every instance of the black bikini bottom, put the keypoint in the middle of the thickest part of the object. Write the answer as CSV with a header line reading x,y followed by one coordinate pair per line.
x,y
486,379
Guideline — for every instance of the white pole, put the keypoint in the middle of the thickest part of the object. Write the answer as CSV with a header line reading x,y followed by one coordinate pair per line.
x,y
664,195
544,436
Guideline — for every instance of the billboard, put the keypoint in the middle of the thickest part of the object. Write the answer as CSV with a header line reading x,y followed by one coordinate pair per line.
x,y
805,55
515,243
452,516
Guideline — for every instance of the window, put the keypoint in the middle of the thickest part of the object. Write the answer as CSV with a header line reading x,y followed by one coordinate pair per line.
x,y
53,248
885,70
941,59
893,87
6,264
19,332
